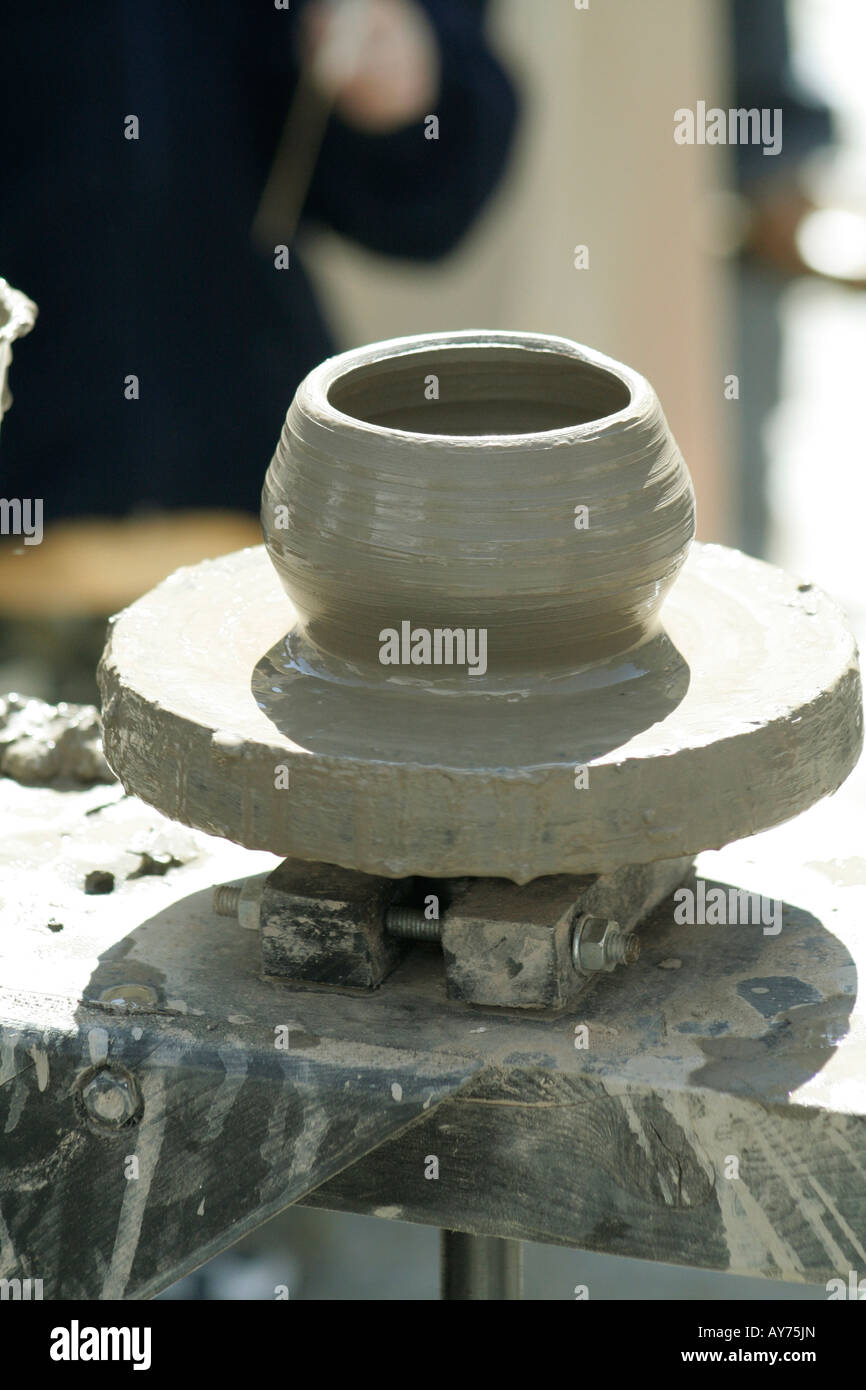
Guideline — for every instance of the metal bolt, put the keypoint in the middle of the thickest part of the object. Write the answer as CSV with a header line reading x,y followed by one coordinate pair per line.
x,y
226,897
241,900
111,1097
598,944
411,924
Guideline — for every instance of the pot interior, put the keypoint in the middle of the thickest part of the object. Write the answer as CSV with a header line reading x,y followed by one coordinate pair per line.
x,y
478,390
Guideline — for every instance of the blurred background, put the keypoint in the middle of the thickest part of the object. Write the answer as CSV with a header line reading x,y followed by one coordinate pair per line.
x,y
552,197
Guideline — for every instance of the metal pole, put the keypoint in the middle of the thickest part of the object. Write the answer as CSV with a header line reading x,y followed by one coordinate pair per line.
x,y
480,1267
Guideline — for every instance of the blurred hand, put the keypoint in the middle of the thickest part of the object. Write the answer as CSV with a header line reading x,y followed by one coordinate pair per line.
x,y
377,60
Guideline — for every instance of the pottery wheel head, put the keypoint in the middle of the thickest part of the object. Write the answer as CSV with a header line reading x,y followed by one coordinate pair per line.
x,y
514,483
331,697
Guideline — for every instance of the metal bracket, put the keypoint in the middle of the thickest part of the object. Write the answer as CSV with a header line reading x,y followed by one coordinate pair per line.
x,y
536,945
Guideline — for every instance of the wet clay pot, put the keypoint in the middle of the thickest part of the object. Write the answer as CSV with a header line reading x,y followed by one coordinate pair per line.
x,y
511,482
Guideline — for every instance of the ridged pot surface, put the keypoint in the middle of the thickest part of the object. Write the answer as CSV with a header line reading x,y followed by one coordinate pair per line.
x,y
510,482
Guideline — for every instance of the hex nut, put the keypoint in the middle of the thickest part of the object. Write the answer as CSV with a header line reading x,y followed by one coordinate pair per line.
x,y
243,901
110,1097
599,944
250,902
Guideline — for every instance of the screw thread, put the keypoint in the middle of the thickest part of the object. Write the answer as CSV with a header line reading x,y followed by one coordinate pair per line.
x,y
226,897
623,947
410,923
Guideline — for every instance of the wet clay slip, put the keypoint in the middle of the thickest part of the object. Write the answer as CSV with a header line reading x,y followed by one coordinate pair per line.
x,y
511,485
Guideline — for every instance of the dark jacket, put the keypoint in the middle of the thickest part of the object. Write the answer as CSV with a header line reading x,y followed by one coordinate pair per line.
x,y
138,252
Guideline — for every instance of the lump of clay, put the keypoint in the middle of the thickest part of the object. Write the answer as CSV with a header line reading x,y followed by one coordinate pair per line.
x,y
17,316
42,744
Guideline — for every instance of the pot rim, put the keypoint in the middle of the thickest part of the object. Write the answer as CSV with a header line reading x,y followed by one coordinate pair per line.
x,y
312,398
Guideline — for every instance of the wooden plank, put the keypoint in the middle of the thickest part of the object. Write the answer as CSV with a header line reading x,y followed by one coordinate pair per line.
x,y
574,1161
232,1132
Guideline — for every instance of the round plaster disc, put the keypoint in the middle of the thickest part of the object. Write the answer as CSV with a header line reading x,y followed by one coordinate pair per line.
x,y
739,713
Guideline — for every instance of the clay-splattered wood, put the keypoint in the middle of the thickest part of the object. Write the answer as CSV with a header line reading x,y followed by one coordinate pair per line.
x,y
720,1042
575,1161
232,1132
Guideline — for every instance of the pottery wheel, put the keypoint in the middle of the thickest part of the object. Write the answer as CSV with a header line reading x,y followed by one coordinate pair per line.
x,y
737,714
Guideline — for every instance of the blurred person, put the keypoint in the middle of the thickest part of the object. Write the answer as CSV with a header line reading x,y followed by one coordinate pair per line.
x,y
138,138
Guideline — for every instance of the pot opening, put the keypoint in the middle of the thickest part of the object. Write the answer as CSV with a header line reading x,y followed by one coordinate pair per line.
x,y
479,390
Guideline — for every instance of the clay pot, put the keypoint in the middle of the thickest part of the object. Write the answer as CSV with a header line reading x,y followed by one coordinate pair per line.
x,y
513,482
